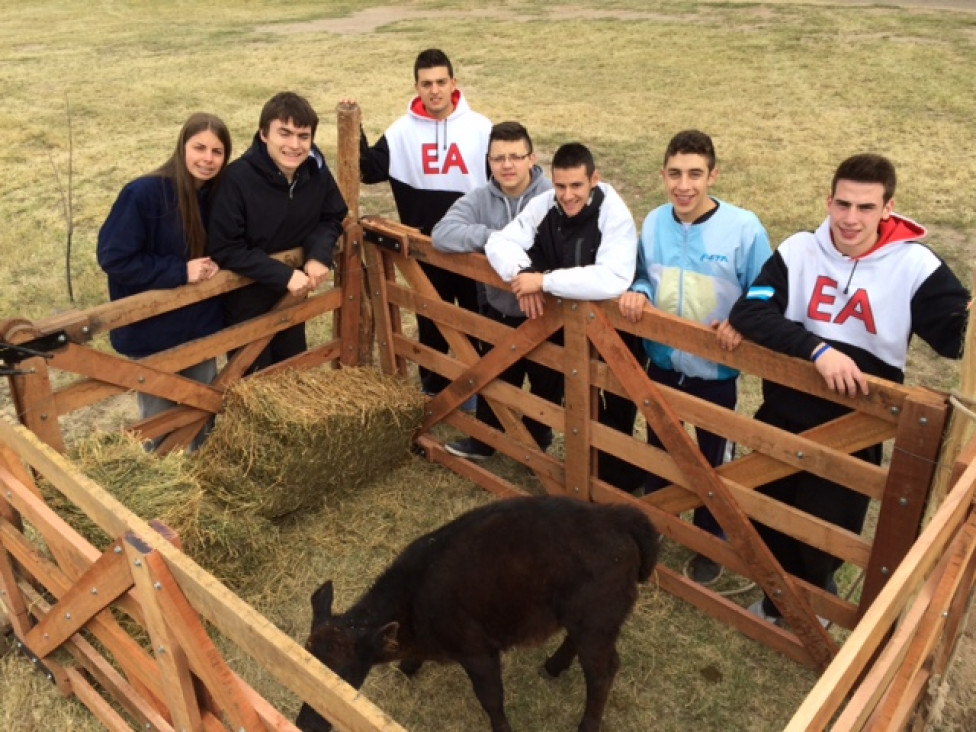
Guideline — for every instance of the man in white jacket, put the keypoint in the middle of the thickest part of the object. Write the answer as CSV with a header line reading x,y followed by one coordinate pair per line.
x,y
577,241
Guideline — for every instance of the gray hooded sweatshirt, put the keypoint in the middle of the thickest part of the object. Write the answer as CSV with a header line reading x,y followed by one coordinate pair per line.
x,y
472,219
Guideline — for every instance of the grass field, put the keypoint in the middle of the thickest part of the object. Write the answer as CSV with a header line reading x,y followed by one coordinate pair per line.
x,y
786,89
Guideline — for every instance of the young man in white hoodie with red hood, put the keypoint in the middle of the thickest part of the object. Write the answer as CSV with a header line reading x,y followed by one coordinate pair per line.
x,y
432,155
849,297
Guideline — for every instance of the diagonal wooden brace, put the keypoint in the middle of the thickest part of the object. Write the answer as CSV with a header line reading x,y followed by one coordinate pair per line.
x,y
189,648
466,353
485,370
106,580
713,493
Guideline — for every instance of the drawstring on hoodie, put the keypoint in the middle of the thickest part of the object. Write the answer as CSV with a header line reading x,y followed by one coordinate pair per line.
x,y
851,276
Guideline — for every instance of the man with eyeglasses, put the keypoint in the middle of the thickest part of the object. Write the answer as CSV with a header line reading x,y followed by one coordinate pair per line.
x,y
432,155
515,180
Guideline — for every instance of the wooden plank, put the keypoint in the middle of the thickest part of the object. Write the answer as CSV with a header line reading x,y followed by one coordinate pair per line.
x,y
104,581
488,368
355,319
899,711
174,668
383,309
103,711
34,399
579,403
452,396
111,315
185,629
56,532
913,640
284,659
876,682
85,392
830,691
742,535
958,613
488,330
135,703
850,432
549,470
487,480
883,402
138,376
759,630
129,654
913,460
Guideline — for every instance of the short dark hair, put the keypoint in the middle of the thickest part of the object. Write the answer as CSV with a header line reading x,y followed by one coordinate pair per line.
x,y
509,132
691,142
285,106
574,155
867,168
432,58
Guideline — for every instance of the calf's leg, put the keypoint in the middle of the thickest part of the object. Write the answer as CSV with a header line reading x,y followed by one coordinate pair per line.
x,y
560,659
485,672
600,663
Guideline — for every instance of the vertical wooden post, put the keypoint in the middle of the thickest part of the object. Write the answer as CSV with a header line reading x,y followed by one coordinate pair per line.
x,y
579,397
32,392
910,474
961,428
348,118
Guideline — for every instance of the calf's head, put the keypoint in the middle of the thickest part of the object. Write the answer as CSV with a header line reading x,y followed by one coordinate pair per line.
x,y
349,647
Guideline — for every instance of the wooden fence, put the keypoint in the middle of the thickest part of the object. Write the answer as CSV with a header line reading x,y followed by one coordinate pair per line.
x,y
58,592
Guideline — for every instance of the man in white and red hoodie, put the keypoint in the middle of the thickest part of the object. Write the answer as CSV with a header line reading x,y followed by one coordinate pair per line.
x,y
849,297
432,156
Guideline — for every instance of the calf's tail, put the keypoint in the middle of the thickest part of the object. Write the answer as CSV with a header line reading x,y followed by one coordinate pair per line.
x,y
647,540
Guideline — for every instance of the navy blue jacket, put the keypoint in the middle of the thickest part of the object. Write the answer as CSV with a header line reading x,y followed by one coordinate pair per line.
x,y
142,246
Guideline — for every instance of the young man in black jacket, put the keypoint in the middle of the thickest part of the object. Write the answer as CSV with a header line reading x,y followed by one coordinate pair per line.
x,y
279,195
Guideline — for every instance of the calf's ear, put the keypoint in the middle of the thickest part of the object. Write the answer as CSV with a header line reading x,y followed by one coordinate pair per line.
x,y
322,604
386,639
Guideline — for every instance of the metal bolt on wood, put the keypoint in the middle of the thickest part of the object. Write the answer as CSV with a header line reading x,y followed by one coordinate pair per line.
x,y
157,585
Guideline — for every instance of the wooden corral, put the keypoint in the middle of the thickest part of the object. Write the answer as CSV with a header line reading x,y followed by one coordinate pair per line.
x,y
904,624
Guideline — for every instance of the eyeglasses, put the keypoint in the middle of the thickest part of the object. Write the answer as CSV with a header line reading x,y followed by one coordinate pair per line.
x,y
510,158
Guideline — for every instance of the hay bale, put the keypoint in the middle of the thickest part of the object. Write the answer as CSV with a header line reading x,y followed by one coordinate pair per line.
x,y
231,545
286,439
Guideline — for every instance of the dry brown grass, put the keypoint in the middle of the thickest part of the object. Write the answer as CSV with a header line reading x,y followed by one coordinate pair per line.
x,y
786,89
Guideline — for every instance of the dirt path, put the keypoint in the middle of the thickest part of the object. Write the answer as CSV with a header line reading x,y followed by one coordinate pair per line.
x,y
370,19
